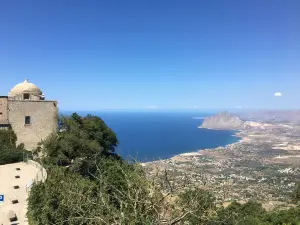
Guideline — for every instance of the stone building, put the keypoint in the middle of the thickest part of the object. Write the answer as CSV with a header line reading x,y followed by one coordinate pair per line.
x,y
27,112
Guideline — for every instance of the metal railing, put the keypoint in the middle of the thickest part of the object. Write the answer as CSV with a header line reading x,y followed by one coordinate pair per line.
x,y
41,175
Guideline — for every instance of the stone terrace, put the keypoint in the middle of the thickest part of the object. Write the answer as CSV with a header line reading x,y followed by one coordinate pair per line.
x,y
14,181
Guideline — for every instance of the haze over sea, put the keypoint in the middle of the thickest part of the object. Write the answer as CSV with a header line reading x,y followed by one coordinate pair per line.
x,y
148,136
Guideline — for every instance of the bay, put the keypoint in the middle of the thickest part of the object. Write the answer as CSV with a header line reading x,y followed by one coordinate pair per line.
x,y
148,136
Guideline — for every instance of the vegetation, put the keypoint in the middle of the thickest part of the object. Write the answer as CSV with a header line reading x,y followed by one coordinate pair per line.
x,y
8,139
88,184
296,194
9,151
252,213
114,197
79,139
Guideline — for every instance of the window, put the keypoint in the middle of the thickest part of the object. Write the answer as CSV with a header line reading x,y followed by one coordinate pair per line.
x,y
26,96
27,120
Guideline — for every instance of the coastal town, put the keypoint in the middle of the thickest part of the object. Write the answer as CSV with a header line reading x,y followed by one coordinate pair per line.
x,y
263,165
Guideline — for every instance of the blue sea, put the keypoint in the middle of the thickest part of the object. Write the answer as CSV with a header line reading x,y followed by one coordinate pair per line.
x,y
148,136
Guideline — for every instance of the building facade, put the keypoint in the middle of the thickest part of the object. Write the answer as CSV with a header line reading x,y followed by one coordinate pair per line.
x,y
26,111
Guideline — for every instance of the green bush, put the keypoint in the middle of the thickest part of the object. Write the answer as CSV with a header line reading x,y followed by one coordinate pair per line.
x,y
281,217
253,213
79,138
8,139
119,194
13,156
198,201
9,152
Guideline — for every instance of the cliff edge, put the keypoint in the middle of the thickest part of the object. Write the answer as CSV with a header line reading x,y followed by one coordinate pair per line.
x,y
224,121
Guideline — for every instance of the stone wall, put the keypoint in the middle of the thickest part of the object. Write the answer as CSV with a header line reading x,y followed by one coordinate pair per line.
x,y
43,120
3,110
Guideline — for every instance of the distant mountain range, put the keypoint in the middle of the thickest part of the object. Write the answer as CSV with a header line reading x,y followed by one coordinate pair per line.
x,y
271,115
236,121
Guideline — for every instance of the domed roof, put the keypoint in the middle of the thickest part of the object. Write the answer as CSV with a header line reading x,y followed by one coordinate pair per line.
x,y
25,87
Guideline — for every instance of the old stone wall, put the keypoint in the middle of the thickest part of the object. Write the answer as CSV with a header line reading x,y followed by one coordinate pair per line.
x,y
3,110
42,117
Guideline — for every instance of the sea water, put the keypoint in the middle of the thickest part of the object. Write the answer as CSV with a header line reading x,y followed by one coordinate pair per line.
x,y
147,136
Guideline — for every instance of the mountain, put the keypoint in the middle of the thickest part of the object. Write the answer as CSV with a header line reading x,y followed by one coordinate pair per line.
x,y
271,115
223,120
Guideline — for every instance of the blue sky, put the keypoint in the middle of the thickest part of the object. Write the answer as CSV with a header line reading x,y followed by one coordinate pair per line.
x,y
158,54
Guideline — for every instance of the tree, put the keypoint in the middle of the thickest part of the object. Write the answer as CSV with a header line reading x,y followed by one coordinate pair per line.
x,y
9,151
8,139
284,217
240,214
79,138
197,204
97,130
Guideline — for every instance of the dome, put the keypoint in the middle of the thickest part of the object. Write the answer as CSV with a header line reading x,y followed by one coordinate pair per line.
x,y
25,87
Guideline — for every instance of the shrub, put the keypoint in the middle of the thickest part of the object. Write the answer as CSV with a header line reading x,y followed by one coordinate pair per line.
x,y
8,139
119,194
9,152
12,156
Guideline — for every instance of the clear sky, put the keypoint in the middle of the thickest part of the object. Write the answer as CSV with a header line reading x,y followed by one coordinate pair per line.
x,y
147,54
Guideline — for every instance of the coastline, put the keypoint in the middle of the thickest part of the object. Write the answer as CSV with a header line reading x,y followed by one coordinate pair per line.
x,y
238,133
179,157
242,169
187,155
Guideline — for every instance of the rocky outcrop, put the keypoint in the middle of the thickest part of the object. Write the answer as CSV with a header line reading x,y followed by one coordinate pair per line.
x,y
223,121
